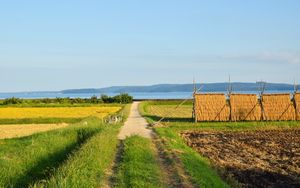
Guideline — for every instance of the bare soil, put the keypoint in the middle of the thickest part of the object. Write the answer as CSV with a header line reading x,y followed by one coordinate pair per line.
x,y
20,130
259,158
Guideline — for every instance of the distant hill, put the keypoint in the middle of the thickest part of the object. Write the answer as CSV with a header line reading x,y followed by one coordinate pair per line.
x,y
206,87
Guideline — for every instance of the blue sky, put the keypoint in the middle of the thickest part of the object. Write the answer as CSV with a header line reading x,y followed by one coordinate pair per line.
x,y
53,45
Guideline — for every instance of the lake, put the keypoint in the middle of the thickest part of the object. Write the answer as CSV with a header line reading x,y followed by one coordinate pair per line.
x,y
136,95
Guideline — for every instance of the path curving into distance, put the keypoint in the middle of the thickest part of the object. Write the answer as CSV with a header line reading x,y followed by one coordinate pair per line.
x,y
135,124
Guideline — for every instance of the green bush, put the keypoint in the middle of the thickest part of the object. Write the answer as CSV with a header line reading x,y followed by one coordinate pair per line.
x,y
123,98
12,100
94,99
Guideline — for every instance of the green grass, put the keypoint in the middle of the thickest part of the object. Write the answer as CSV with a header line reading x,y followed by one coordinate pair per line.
x,y
169,102
201,171
86,167
28,159
138,166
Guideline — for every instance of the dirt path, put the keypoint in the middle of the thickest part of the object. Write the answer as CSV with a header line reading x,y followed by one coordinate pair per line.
x,y
135,124
19,130
173,174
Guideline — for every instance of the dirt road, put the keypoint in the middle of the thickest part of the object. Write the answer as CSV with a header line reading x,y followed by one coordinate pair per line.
x,y
135,124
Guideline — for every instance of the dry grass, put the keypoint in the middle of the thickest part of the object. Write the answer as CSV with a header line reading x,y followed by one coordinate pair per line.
x,y
56,112
297,100
278,107
211,107
245,107
20,130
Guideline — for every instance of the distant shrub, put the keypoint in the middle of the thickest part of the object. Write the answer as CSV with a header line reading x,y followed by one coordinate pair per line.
x,y
77,100
12,100
123,98
46,100
107,99
94,99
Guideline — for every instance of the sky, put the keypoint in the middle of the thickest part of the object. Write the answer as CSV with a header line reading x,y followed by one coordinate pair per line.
x,y
61,44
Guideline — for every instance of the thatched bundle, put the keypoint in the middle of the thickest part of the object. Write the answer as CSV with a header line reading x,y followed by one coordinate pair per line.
x,y
297,101
245,107
277,107
211,107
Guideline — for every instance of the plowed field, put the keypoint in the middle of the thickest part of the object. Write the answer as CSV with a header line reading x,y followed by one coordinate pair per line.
x,y
260,158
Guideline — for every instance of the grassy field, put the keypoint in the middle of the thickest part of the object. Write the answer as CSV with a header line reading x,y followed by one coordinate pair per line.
x,y
77,155
203,172
25,160
138,166
86,167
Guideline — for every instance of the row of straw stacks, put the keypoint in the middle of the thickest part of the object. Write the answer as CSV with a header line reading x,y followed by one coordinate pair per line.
x,y
244,107
211,107
278,107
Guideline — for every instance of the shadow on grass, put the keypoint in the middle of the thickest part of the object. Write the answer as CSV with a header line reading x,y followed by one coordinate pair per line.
x,y
169,119
116,165
46,165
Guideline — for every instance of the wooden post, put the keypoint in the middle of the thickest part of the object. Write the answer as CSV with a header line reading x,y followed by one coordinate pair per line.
x,y
229,94
194,101
294,100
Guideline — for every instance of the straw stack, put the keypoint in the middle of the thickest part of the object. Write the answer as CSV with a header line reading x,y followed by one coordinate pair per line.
x,y
297,100
278,107
211,107
244,107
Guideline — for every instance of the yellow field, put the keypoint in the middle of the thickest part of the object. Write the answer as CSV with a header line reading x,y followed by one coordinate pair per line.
x,y
56,112
20,130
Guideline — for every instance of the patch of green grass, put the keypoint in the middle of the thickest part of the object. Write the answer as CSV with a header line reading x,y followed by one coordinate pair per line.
x,y
138,166
86,167
28,159
170,102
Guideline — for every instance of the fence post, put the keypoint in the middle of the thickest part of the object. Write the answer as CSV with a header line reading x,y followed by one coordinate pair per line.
x,y
261,108
230,109
295,106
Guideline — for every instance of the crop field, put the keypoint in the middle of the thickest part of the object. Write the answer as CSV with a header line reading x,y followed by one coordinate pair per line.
x,y
19,130
229,154
58,112
258,158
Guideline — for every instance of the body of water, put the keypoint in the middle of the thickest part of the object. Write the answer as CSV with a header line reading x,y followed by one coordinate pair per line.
x,y
136,95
